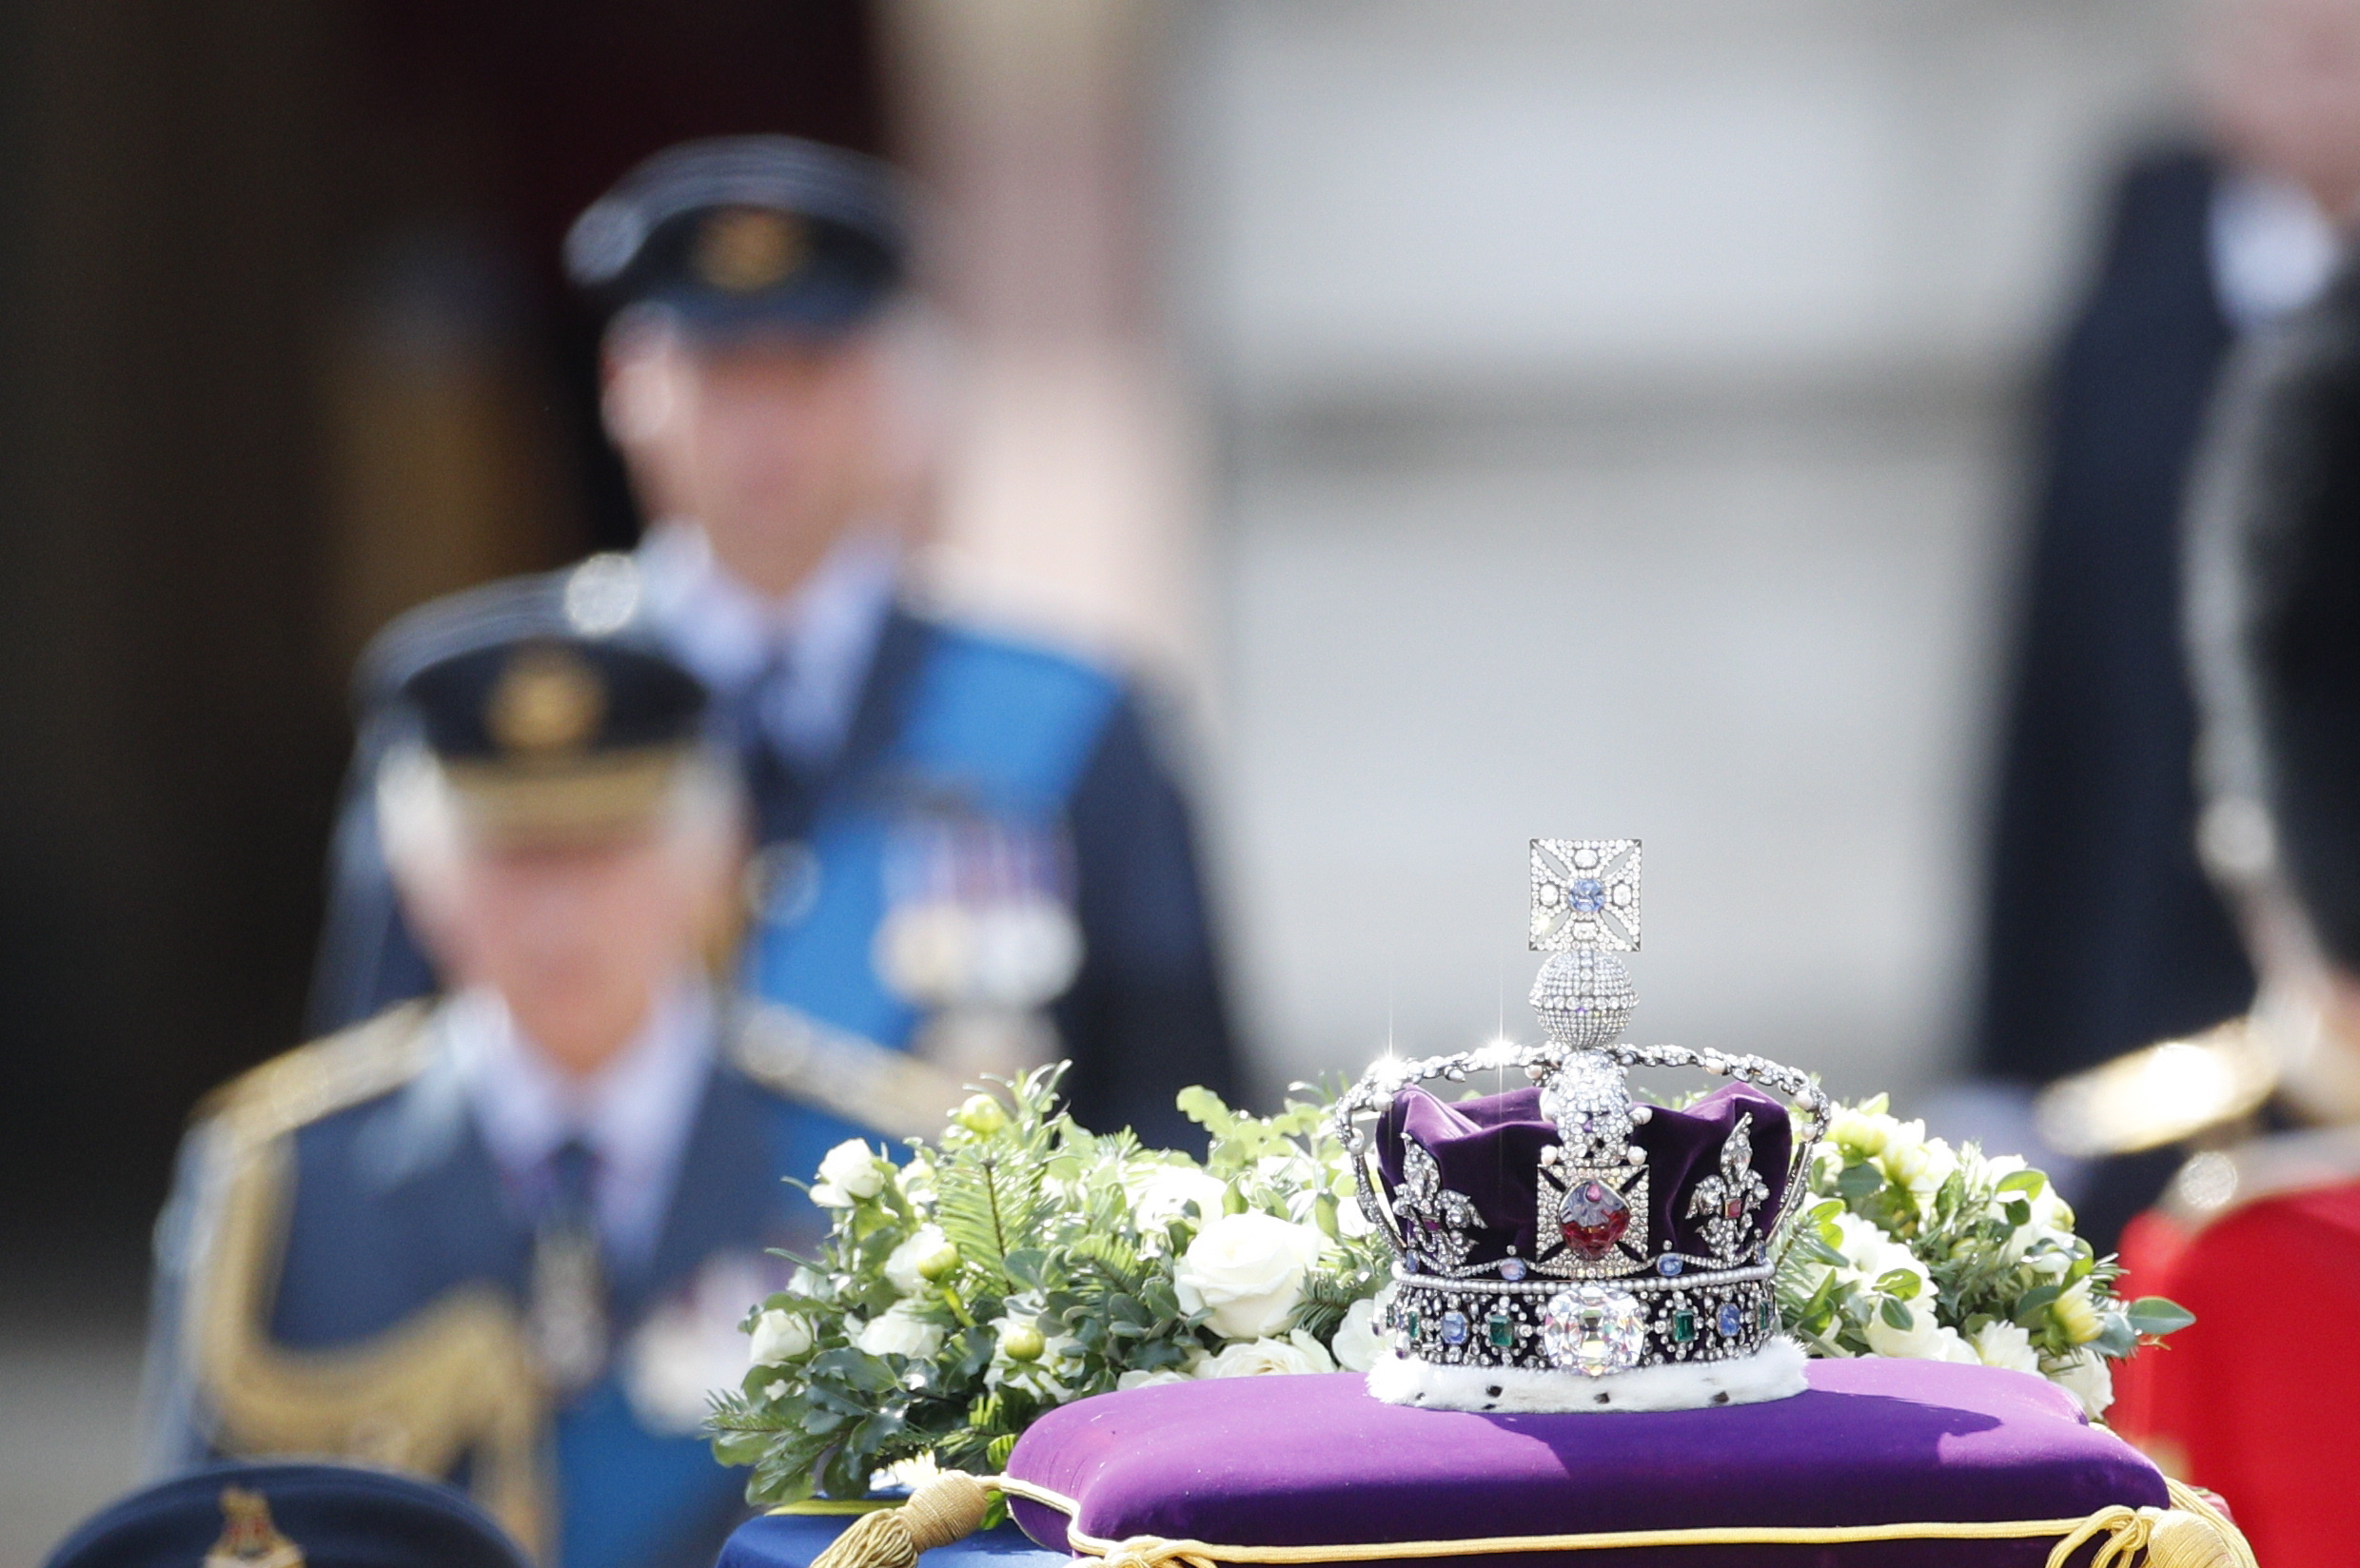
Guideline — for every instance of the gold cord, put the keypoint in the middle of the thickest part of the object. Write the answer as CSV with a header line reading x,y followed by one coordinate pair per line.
x,y
2191,1534
946,1508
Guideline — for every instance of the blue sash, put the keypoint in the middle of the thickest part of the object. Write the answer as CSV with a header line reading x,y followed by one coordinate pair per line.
x,y
1000,729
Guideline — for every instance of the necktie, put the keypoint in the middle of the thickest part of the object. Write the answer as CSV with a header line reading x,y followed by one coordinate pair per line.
x,y
781,794
569,1286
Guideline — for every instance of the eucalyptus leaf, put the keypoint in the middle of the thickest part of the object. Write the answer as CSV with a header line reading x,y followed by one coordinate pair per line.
x,y
2157,1315
1861,1181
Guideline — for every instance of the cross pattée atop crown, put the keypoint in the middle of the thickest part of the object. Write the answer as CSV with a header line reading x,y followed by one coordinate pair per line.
x,y
1564,1228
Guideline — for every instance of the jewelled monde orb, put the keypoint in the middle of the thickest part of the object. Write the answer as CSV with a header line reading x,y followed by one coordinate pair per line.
x,y
1593,1217
1593,1329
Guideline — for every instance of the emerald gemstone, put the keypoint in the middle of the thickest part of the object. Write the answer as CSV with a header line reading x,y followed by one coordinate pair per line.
x,y
1502,1330
1414,1325
1683,1327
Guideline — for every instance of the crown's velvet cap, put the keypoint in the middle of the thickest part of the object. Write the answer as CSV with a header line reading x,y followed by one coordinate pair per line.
x,y
1490,1148
333,1516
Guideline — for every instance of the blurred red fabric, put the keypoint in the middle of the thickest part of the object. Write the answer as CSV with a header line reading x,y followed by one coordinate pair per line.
x,y
2259,1399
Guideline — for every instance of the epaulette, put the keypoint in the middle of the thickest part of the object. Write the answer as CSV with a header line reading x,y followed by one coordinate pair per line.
x,y
2166,1093
326,1076
793,1054
2216,1183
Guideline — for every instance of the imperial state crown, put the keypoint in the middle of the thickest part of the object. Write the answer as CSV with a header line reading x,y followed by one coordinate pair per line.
x,y
1552,1241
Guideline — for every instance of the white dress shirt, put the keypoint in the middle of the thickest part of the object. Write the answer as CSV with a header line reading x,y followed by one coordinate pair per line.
x,y
825,633
2271,249
635,1114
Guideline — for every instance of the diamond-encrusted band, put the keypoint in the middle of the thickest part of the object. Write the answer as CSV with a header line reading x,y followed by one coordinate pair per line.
x,y
1594,1327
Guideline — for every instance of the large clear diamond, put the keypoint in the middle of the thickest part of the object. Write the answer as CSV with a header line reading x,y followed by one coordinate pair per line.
x,y
1594,1329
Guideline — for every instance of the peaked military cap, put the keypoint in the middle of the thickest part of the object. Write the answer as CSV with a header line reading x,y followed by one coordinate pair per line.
x,y
544,729
744,232
290,1515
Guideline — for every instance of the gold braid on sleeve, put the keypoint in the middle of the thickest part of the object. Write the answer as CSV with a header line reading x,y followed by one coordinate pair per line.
x,y
455,1380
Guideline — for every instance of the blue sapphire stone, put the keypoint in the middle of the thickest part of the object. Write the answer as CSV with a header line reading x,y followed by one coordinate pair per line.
x,y
1731,1320
1512,1269
1588,894
1667,1266
1454,1329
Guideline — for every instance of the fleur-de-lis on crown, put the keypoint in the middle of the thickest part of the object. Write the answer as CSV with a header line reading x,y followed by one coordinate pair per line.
x,y
1727,1200
1434,1219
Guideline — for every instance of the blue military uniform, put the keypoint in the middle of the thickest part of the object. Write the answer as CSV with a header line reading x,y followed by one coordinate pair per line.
x,y
374,1251
999,799
342,1269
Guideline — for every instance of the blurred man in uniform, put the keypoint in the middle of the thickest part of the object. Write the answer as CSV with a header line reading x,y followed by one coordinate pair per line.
x,y
505,1237
2259,1234
968,848
2103,931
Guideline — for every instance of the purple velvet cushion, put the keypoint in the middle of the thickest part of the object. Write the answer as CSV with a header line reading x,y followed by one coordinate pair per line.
x,y
1314,1461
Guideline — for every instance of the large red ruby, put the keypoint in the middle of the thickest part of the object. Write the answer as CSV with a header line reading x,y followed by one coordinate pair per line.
x,y
1593,1217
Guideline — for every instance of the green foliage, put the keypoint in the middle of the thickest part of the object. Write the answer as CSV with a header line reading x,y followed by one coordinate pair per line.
x,y
1017,1263
1898,1225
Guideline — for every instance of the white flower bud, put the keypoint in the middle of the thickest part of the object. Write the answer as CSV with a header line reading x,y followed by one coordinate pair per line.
x,y
852,1168
778,1337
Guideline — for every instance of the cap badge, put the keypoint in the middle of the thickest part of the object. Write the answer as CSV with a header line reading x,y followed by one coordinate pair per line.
x,y
746,249
248,1539
547,699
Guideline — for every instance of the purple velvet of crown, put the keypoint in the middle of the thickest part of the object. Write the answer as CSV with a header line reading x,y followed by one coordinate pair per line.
x,y
1564,1228
1714,1181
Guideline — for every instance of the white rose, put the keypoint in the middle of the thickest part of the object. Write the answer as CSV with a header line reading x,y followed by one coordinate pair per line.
x,y
1166,1194
898,1331
779,1336
1863,1132
1248,1269
1950,1346
1873,1254
1356,1343
918,1180
1297,1352
2052,1217
1350,1223
850,1171
926,1255
2087,1378
1151,1379
2000,1344
1924,1340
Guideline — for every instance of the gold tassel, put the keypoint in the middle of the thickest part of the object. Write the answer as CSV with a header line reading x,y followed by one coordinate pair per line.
x,y
2190,1533
943,1510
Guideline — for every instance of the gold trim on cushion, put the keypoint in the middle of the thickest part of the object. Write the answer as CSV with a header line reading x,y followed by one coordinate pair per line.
x,y
2190,1533
455,1380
